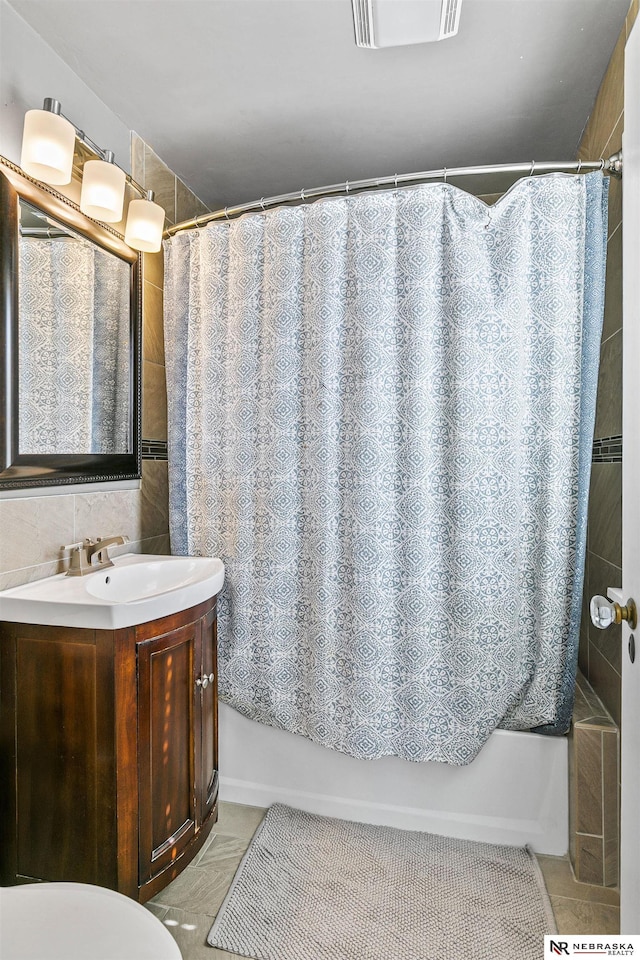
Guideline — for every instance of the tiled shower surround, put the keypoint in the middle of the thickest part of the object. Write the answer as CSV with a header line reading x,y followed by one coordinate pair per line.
x,y
593,790
595,738
179,204
600,651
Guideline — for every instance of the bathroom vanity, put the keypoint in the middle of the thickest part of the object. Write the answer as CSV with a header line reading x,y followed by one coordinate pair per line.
x,y
108,746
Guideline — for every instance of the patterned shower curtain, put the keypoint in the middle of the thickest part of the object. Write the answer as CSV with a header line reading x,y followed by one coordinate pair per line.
x,y
381,412
73,348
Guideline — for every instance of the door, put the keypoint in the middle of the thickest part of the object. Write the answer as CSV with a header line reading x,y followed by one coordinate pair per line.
x,y
630,824
167,708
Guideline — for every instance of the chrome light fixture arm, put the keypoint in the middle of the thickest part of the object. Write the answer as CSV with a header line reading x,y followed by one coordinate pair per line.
x,y
54,106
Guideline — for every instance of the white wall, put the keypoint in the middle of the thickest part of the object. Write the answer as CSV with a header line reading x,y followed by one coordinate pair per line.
x,y
30,71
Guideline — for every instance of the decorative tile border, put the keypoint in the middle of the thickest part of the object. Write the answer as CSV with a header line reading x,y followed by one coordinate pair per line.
x,y
607,450
155,450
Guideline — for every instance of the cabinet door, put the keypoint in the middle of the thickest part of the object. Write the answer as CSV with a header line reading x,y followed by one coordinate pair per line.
x,y
167,716
208,752
63,792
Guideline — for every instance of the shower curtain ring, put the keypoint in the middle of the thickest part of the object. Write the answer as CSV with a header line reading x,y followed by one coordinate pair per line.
x,y
445,174
346,186
302,196
533,167
262,202
579,165
395,180
225,213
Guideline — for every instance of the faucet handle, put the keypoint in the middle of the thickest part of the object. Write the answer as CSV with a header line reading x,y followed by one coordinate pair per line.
x,y
80,545
72,546
79,560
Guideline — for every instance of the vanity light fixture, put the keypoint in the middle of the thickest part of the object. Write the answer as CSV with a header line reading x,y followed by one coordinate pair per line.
x,y
103,186
48,141
145,221
48,146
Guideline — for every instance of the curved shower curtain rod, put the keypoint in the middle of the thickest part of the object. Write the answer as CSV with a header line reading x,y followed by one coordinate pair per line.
x,y
612,166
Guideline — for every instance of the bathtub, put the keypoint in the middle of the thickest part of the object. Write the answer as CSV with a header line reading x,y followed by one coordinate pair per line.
x,y
514,792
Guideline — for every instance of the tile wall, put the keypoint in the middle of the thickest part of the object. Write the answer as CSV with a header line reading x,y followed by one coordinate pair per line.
x,y
33,529
593,855
593,790
180,204
600,651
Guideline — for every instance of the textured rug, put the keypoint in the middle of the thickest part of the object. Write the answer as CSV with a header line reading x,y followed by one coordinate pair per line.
x,y
315,888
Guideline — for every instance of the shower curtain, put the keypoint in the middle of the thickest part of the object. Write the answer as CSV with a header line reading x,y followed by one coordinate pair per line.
x,y
73,348
380,417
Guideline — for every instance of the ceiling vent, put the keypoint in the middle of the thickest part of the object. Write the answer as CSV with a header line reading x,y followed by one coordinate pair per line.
x,y
393,23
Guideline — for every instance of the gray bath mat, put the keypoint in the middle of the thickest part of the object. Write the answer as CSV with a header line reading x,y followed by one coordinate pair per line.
x,y
315,888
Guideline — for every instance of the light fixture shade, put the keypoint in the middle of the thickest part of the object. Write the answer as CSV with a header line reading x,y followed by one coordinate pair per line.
x,y
102,195
145,222
48,143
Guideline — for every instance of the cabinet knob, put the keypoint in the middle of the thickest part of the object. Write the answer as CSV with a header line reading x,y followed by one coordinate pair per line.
x,y
202,682
212,677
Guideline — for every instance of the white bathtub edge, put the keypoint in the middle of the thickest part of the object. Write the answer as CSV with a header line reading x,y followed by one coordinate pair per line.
x,y
549,838
519,785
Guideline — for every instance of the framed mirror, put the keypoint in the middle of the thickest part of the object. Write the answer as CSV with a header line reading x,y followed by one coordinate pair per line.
x,y
70,319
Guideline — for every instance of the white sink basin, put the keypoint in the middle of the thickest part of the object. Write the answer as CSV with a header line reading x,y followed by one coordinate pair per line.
x,y
136,589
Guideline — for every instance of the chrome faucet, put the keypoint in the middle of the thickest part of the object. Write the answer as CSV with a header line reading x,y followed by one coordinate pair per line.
x,y
90,555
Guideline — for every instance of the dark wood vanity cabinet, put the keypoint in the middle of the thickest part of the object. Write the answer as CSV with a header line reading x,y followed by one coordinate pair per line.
x,y
108,751
177,720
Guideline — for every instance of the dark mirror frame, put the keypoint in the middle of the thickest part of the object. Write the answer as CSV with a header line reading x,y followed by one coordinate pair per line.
x,y
23,470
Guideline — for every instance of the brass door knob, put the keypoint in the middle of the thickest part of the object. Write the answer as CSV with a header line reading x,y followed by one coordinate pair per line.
x,y
605,612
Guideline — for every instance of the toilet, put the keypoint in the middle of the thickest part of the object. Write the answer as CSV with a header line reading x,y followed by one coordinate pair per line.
x,y
78,921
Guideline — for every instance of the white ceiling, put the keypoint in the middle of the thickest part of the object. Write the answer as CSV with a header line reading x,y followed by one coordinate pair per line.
x,y
250,98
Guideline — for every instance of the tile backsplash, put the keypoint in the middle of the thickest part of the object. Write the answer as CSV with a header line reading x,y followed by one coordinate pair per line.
x,y
34,529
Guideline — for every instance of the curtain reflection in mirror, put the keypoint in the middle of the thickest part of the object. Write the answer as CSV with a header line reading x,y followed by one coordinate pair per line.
x,y
74,344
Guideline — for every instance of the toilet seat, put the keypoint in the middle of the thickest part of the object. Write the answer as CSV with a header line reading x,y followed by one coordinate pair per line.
x,y
79,921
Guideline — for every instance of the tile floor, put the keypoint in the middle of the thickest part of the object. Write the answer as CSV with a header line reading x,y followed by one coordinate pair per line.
x,y
188,905
579,907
